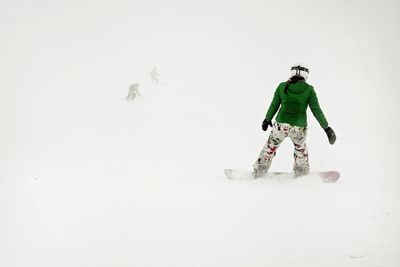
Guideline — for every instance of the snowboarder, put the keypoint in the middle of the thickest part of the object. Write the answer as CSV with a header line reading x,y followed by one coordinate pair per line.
x,y
291,98
154,75
133,92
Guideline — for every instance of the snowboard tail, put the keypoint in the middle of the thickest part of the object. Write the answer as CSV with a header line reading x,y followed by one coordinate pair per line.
x,y
326,176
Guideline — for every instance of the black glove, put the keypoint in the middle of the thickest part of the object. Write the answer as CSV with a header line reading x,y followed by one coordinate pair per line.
x,y
331,135
265,124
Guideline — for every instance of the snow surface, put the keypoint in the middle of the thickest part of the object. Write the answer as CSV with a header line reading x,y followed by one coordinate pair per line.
x,y
90,179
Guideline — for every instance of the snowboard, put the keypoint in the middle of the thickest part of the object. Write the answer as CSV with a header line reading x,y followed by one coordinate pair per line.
x,y
326,176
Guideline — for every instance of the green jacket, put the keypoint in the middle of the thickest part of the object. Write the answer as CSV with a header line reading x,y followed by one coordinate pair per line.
x,y
294,103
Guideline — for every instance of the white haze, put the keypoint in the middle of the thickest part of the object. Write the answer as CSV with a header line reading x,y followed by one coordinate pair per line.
x,y
90,179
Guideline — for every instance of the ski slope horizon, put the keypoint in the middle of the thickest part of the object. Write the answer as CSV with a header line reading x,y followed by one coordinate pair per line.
x,y
90,179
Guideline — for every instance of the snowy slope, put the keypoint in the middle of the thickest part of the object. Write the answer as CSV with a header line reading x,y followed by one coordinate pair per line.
x,y
90,179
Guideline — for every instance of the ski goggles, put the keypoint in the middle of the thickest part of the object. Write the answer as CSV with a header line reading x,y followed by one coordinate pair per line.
x,y
299,68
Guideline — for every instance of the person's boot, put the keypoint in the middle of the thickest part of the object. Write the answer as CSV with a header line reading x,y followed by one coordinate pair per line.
x,y
300,171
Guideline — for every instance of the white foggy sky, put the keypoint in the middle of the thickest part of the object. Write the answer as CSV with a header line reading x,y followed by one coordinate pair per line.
x,y
61,61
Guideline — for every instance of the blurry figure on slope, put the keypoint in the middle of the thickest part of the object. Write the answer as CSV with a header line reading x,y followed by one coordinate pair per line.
x,y
154,75
133,92
291,98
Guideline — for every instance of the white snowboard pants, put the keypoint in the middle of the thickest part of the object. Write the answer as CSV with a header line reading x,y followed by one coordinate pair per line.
x,y
279,132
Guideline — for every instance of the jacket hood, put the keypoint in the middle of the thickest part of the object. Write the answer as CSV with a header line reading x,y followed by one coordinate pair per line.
x,y
297,87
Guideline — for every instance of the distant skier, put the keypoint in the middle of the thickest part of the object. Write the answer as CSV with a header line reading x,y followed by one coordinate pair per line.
x,y
133,92
154,75
291,98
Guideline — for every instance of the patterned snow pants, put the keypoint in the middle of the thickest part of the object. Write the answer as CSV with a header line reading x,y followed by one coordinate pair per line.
x,y
279,132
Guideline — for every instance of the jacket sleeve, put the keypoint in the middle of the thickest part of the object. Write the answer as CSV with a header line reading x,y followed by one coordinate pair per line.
x,y
274,106
316,110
